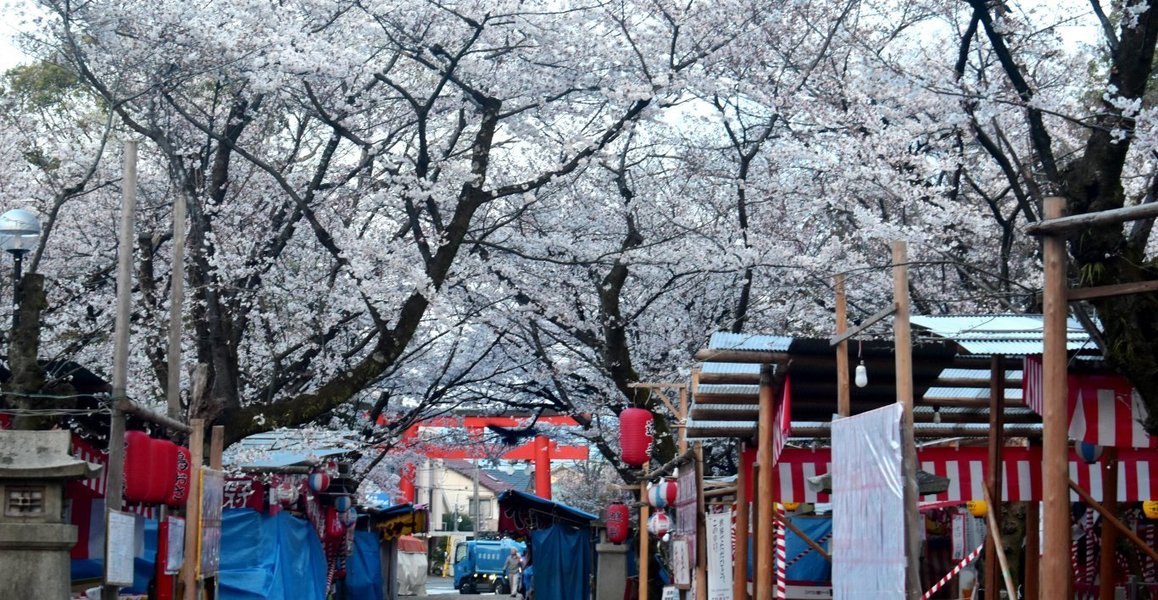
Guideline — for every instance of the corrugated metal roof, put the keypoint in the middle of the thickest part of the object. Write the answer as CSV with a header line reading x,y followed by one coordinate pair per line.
x,y
731,368
727,389
1011,335
722,340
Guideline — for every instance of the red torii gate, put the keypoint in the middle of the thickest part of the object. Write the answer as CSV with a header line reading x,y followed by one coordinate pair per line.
x,y
542,450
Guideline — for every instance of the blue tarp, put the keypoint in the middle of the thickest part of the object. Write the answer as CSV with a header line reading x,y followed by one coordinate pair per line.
x,y
364,569
278,557
562,559
811,567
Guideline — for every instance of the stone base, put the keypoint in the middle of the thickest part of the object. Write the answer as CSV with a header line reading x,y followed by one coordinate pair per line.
x,y
34,560
612,571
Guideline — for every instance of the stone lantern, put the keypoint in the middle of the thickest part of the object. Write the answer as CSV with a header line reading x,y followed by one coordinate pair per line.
x,y
35,536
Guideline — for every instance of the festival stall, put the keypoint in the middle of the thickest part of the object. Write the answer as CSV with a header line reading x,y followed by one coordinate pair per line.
x,y
560,545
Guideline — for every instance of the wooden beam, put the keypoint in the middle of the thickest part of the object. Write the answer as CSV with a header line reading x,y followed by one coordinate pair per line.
x,y
740,535
993,474
1060,224
701,578
129,407
764,486
740,356
842,392
1107,561
869,322
904,345
1119,289
807,540
1055,563
193,510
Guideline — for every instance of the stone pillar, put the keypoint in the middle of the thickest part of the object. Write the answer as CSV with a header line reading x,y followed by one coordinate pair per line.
x,y
612,571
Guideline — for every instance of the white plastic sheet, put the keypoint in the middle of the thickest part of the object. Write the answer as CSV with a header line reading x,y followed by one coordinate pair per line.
x,y
868,510
411,574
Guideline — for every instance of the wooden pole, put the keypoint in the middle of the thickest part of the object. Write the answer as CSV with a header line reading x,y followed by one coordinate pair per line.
x,y
701,591
1055,568
193,509
755,523
803,536
740,562
764,497
993,475
683,417
116,462
1032,548
644,552
843,402
1108,565
904,361
176,303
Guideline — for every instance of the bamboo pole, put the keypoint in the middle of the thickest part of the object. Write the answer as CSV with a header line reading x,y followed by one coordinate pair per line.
x,y
740,560
843,401
993,475
1055,568
764,486
999,548
904,361
1108,559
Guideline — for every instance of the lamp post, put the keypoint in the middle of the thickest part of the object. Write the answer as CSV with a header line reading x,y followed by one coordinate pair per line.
x,y
19,232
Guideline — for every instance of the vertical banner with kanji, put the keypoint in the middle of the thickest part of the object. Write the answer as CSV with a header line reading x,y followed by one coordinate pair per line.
x,y
720,551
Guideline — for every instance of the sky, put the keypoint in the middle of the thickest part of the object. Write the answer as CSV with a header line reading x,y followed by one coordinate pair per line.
x,y
9,27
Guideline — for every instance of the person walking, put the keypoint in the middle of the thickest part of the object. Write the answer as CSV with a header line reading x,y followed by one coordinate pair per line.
x,y
513,567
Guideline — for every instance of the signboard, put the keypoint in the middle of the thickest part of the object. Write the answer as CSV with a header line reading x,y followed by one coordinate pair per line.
x,y
958,536
720,551
681,562
120,546
686,509
868,512
212,499
244,492
175,557
670,593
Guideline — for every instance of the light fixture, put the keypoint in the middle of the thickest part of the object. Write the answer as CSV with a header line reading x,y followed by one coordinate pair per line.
x,y
19,232
861,370
937,414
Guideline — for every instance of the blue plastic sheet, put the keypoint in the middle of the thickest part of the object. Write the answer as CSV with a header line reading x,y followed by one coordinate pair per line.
x,y
364,569
810,566
562,558
275,558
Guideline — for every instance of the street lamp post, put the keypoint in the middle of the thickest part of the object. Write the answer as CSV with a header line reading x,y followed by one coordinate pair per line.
x,y
19,232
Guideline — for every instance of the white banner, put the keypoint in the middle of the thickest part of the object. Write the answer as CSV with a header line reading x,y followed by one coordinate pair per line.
x,y
868,512
720,550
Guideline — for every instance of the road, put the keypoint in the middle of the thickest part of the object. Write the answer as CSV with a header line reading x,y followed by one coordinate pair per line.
x,y
442,588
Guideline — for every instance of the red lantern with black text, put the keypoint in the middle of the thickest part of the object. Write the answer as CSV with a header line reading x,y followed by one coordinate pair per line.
x,y
635,436
618,523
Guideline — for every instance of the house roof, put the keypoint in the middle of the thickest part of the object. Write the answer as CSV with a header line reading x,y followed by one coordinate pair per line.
x,y
486,477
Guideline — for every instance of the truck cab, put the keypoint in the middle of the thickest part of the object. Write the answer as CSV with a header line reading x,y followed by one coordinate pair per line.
x,y
478,565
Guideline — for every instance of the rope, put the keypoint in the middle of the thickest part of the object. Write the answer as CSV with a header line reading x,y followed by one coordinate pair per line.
x,y
972,556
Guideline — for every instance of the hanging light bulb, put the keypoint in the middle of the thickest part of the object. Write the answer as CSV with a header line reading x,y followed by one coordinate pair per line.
x,y
937,414
861,375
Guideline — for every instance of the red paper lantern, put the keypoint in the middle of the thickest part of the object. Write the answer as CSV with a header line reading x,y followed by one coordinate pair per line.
x,y
182,473
147,476
618,523
635,436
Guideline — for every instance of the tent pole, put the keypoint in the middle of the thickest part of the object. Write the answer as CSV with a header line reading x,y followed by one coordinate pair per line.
x,y
993,475
904,374
764,486
740,559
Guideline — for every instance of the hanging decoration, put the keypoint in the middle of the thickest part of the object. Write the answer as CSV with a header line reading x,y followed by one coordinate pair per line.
x,y
662,493
334,527
1090,453
1150,509
343,503
319,481
659,524
156,471
618,523
286,491
635,436
349,516
977,508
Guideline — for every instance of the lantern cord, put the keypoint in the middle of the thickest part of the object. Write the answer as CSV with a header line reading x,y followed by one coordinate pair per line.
x,y
100,396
